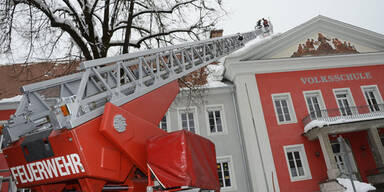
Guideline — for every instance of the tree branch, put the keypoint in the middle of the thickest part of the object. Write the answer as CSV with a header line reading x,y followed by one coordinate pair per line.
x,y
106,33
164,11
138,42
96,25
63,24
93,39
77,18
133,27
121,43
127,36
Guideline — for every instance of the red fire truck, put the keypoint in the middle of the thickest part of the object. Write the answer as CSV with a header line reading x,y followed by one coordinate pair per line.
x,y
97,130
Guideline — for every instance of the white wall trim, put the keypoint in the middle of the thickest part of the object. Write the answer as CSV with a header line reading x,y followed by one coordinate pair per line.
x,y
260,160
229,87
9,106
237,68
195,117
304,160
168,119
348,90
231,172
323,106
223,120
379,99
291,109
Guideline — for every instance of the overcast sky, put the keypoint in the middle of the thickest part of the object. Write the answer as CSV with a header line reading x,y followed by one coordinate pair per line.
x,y
286,14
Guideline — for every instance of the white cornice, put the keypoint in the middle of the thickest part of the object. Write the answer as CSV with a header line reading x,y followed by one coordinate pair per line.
x,y
205,91
301,64
9,105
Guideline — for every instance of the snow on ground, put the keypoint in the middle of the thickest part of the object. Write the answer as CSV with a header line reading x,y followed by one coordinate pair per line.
x,y
16,98
360,186
321,123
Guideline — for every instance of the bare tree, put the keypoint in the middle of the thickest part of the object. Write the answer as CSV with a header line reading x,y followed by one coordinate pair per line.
x,y
96,28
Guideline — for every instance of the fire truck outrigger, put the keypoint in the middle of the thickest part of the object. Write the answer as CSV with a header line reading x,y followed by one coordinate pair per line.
x,y
97,130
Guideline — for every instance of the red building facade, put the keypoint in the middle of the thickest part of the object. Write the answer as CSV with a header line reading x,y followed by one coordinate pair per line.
x,y
307,84
310,106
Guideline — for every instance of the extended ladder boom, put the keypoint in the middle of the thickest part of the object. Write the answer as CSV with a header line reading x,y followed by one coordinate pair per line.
x,y
72,100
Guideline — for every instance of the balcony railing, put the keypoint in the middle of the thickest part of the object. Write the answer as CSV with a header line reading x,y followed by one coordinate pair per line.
x,y
347,114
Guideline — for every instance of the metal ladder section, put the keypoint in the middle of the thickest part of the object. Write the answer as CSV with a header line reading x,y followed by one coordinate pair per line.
x,y
72,100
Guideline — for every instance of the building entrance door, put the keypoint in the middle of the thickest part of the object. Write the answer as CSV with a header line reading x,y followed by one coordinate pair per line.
x,y
344,160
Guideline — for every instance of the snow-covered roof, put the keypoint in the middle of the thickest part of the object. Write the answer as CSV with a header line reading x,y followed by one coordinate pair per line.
x,y
251,45
216,71
215,75
360,186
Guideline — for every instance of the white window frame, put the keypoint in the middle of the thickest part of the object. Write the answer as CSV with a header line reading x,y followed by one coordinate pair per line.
x,y
195,117
320,99
168,119
349,97
223,119
232,174
290,108
307,172
376,89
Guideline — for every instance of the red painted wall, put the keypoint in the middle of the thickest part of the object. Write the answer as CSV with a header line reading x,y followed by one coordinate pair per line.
x,y
290,134
3,166
4,114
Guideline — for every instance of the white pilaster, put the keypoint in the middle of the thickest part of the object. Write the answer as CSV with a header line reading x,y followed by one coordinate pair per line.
x,y
326,147
374,137
258,149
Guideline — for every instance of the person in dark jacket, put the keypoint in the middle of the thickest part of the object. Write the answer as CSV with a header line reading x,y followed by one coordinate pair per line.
x,y
258,26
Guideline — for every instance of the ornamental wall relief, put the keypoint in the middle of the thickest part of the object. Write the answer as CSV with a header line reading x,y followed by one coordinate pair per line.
x,y
322,47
